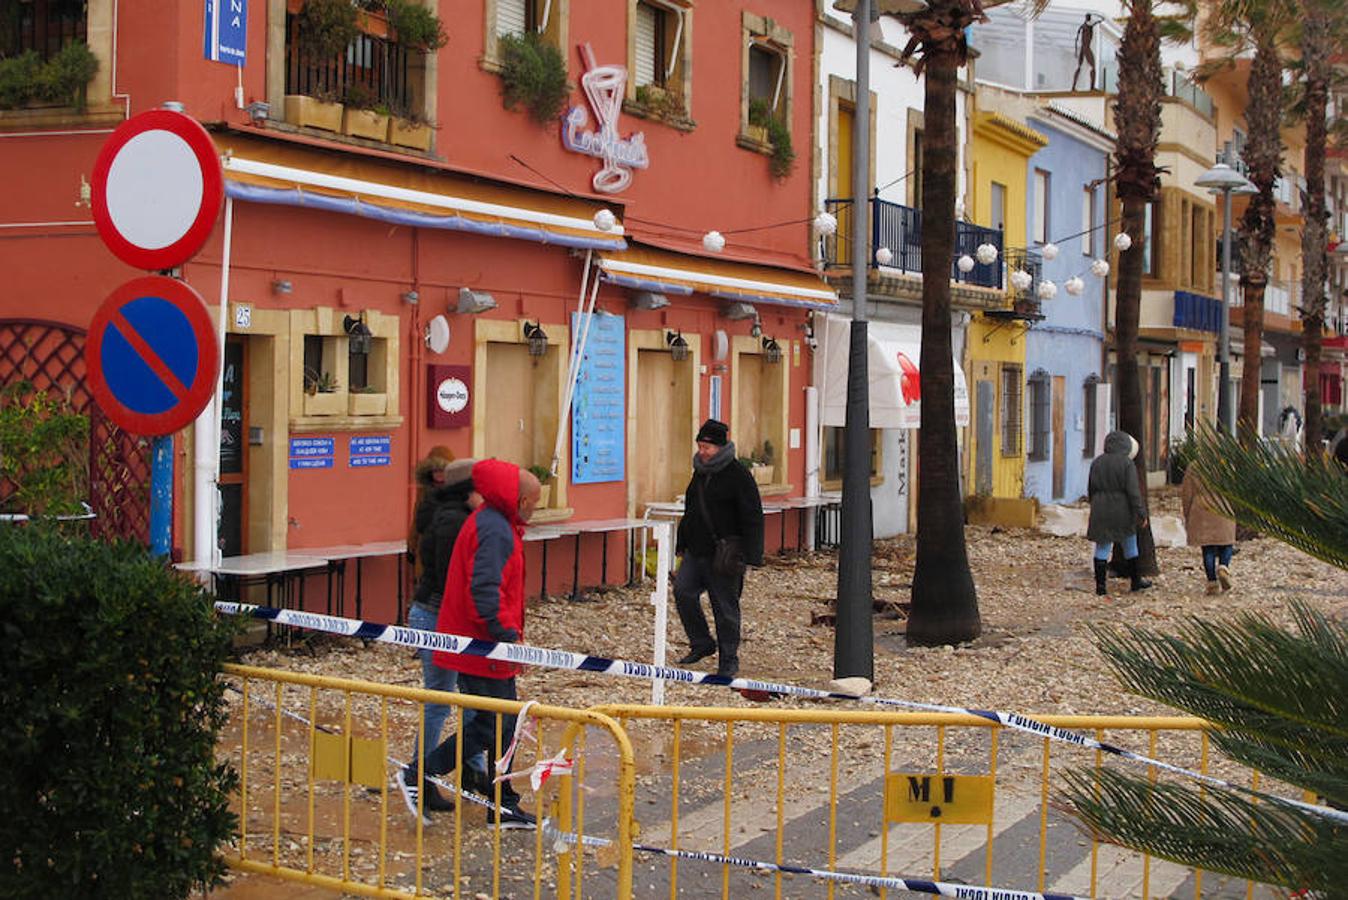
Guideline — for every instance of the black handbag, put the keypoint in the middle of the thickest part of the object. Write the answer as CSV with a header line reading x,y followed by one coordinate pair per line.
x,y
728,559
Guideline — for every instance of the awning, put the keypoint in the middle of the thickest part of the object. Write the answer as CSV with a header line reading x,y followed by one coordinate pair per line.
x,y
895,382
294,175
666,272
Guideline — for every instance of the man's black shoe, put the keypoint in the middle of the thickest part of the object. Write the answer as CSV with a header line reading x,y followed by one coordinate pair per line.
x,y
512,817
728,669
694,655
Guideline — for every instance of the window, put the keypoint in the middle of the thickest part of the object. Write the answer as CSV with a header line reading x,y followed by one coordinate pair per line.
x,y
43,26
341,381
1040,399
766,69
658,48
1090,401
1041,206
518,17
1151,240
998,206
1198,240
1088,222
1011,412
546,17
834,453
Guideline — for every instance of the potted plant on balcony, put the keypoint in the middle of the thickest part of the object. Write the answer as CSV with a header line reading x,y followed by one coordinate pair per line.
x,y
533,73
365,117
415,25
544,476
63,80
771,129
320,394
410,130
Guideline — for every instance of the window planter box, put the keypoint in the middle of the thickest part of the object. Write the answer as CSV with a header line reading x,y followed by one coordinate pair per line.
x,y
406,133
758,134
325,404
763,474
365,123
544,496
310,112
367,404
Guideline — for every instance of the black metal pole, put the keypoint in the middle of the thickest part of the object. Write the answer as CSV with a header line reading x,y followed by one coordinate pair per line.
x,y
853,640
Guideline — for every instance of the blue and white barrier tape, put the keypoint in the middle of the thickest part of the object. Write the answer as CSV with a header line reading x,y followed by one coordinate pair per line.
x,y
563,839
564,659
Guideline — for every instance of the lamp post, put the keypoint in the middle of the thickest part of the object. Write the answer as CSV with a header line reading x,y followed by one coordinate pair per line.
x,y
853,638
1224,180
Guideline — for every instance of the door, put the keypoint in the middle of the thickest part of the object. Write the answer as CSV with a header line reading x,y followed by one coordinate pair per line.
x,y
985,393
510,424
664,448
1059,436
233,534
751,404
841,183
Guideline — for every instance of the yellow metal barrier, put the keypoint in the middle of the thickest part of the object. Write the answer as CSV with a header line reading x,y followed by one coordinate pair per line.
x,y
749,783
314,758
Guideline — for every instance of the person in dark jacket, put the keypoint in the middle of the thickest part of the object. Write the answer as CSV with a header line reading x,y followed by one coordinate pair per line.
x,y
484,599
428,476
440,515
1116,508
721,503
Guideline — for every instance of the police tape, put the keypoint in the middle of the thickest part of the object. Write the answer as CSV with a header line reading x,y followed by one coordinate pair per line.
x,y
562,840
524,654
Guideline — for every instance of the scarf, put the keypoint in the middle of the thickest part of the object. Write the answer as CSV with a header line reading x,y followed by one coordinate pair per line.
x,y
723,458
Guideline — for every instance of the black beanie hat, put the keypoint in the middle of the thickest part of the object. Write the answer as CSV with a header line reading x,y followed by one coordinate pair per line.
x,y
714,432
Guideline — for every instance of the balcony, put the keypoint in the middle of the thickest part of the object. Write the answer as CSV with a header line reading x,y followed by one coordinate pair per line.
x,y
1024,303
898,228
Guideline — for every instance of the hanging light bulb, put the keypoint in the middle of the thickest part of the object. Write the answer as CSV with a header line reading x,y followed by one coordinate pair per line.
x,y
1100,268
825,223
965,264
884,256
1047,290
604,220
1074,286
1021,280
1122,241
986,254
1049,251
713,241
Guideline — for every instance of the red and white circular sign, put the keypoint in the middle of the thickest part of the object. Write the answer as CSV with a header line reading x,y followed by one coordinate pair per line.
x,y
157,189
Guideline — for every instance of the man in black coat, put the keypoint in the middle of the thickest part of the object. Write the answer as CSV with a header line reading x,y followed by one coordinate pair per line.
x,y
721,507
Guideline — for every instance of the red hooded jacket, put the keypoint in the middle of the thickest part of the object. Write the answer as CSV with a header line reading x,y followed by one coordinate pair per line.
x,y
484,588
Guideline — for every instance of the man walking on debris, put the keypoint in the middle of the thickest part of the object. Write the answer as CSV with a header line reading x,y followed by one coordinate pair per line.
x,y
484,599
439,517
721,531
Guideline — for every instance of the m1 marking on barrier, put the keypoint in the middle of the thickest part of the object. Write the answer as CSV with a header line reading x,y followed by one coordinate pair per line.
x,y
939,799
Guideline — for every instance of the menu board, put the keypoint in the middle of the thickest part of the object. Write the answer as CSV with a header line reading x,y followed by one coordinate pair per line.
x,y
231,410
598,419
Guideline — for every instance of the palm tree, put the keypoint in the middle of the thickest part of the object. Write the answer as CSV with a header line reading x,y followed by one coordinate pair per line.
x,y
944,600
1137,116
1280,699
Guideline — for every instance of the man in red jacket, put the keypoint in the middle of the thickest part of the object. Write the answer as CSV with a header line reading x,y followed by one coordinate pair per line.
x,y
484,599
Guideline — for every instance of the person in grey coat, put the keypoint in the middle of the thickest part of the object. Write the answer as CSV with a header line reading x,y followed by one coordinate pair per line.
x,y
1116,508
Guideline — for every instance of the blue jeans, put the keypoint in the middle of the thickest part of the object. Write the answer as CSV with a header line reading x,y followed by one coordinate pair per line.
x,y
1213,555
435,678
1104,548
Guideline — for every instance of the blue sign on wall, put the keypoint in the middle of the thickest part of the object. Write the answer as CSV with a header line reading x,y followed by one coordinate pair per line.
x,y
225,37
598,419
369,450
313,446
311,462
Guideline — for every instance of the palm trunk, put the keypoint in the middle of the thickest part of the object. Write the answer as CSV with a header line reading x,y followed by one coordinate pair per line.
x,y
945,603
1316,46
1127,311
1263,157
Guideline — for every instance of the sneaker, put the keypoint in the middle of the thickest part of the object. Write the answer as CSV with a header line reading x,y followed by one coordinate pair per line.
x,y
512,817
1224,576
1213,588
434,801
410,792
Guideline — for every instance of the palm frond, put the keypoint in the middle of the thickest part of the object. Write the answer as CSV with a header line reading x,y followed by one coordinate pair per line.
x,y
1216,830
1268,487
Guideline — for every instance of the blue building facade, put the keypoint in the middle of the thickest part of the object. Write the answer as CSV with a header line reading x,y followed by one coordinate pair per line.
x,y
1066,402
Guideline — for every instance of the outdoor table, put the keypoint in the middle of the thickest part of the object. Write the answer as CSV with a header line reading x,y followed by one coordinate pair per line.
x,y
605,527
275,567
545,533
336,559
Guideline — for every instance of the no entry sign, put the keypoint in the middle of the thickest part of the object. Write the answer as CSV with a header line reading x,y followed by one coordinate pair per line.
x,y
157,189
152,355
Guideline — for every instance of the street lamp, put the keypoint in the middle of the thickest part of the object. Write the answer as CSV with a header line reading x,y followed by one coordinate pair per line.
x,y
1224,180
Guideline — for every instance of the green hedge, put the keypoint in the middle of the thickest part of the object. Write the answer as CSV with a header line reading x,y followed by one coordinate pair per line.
x,y
111,710
63,79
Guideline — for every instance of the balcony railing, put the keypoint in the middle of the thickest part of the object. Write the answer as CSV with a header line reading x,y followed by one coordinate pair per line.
x,y
372,67
898,228
1026,301
1281,297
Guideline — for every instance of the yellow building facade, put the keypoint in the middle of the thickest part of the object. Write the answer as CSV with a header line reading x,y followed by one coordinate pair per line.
x,y
995,360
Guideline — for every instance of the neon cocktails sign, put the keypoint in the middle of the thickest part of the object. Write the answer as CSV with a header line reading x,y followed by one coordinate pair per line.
x,y
603,86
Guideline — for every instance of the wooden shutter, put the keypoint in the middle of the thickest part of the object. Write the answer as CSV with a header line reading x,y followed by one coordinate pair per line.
x,y
646,62
511,16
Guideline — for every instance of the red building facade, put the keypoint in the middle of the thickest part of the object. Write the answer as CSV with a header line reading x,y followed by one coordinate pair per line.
x,y
348,255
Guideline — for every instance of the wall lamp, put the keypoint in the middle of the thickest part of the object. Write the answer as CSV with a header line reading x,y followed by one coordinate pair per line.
x,y
412,297
772,351
678,346
649,300
473,302
281,286
740,310
359,337
537,338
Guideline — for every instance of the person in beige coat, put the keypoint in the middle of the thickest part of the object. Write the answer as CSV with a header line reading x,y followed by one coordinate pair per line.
x,y
1209,529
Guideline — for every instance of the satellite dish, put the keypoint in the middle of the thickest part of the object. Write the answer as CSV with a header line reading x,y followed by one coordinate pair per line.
x,y
437,334
720,345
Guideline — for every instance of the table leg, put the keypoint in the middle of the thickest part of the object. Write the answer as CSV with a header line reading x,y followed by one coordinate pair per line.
x,y
543,586
575,572
782,548
332,568
400,562
800,530
359,560
603,564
